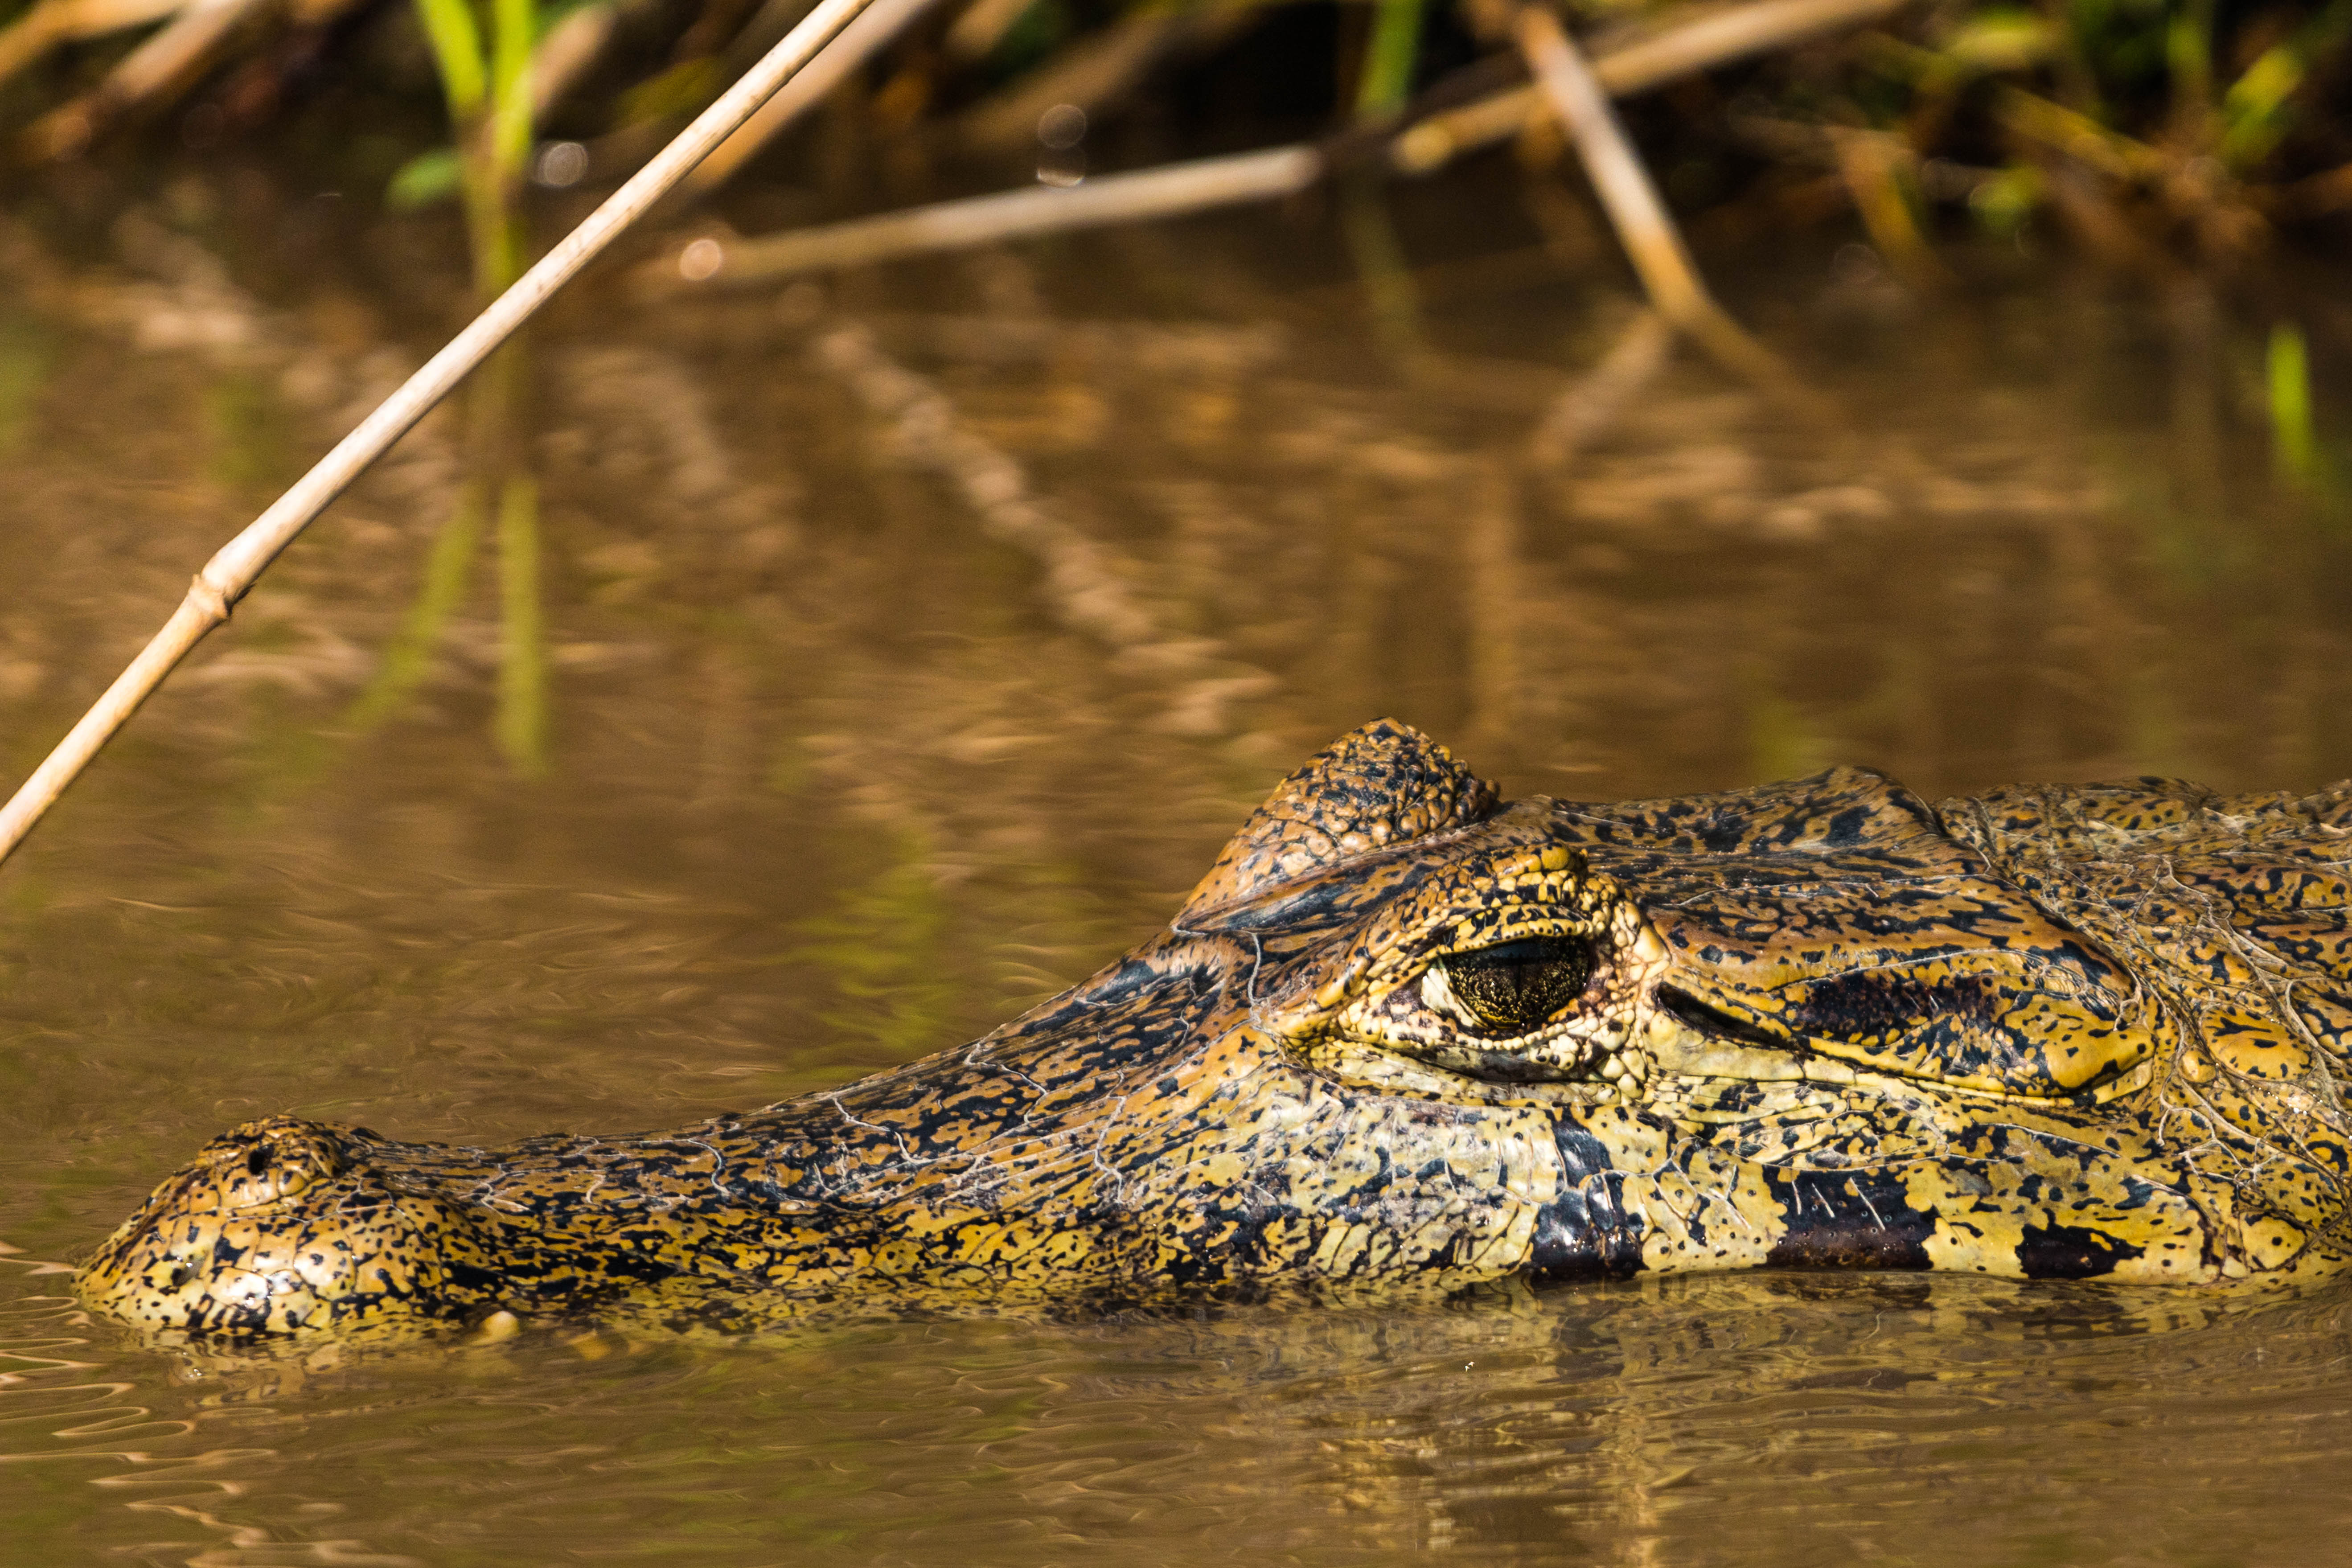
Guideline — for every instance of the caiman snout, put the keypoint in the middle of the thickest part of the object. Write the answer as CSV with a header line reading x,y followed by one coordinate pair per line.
x,y
283,1222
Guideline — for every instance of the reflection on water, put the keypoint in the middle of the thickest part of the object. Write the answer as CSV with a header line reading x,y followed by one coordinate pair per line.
x,y
1767,1420
910,648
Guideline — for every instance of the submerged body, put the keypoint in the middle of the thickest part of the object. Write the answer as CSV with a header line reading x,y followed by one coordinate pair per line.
x,y
1405,1035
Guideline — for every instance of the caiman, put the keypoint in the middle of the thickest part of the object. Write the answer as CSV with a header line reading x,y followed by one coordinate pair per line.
x,y
1406,1037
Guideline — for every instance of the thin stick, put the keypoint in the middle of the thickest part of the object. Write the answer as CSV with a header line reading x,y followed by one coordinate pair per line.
x,y
230,573
567,51
982,220
1652,241
1728,34
857,44
1871,163
1677,52
2315,196
1097,69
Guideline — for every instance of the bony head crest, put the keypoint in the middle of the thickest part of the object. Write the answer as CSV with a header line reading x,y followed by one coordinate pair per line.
x,y
1374,788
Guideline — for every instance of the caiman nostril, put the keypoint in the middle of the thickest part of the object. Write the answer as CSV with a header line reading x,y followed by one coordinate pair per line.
x,y
256,1159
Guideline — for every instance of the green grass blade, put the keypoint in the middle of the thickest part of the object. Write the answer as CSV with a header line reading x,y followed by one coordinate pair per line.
x,y
457,53
1389,59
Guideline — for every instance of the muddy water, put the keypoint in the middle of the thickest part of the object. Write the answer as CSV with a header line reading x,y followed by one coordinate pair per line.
x,y
909,647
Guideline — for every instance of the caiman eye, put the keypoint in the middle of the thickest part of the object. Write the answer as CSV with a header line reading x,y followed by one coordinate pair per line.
x,y
1513,986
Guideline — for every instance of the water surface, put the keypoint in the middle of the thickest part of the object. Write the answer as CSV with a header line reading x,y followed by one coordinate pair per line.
x,y
911,645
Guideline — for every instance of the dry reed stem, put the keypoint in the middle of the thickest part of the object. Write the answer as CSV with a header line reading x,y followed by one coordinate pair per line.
x,y
1175,189
983,26
1678,52
2101,227
1096,69
54,22
567,52
1728,34
1873,164
1082,72
226,577
2317,195
2079,137
151,74
858,43
1647,231
1205,183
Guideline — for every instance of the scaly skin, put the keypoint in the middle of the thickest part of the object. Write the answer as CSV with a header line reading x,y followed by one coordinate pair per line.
x,y
2055,1032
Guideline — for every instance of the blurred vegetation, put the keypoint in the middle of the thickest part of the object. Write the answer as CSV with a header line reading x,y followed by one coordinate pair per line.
x,y
2174,141
484,66
2154,135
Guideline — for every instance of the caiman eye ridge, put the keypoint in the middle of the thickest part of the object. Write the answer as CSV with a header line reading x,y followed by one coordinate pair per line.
x,y
1512,987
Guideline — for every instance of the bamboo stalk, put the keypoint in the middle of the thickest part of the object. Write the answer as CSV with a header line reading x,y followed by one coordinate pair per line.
x,y
226,577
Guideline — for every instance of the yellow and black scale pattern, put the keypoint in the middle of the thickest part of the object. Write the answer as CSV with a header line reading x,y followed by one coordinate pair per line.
x,y
1404,1037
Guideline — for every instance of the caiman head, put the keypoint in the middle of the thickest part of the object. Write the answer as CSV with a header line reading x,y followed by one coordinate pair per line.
x,y
1405,1035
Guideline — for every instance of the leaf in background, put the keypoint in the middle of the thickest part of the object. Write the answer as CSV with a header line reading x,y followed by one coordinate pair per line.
x,y
2253,111
457,41
1038,31
1385,79
678,91
2001,41
427,178
2003,203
